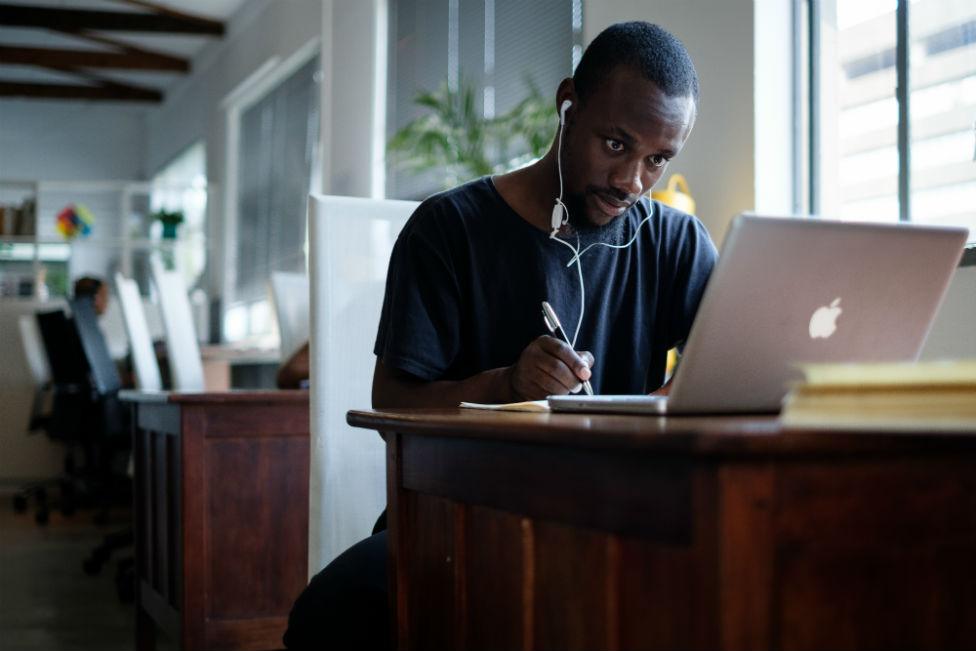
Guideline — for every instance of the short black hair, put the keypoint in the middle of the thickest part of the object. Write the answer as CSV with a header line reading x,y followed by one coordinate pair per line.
x,y
652,50
87,286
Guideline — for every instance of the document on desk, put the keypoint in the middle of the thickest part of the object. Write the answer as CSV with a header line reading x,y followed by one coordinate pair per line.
x,y
528,405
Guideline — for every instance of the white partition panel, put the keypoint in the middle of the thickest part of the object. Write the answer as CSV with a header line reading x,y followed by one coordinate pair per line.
x,y
182,346
289,293
350,244
140,342
30,337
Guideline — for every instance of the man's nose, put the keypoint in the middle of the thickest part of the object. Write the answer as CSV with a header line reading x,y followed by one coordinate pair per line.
x,y
627,179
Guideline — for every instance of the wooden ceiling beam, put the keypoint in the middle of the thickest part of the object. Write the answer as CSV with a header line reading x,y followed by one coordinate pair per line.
x,y
35,56
73,19
162,10
71,91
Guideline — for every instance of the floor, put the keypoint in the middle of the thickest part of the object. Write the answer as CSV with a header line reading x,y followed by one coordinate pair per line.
x,y
47,602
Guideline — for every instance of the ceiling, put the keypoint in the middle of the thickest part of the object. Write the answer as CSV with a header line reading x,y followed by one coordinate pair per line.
x,y
118,50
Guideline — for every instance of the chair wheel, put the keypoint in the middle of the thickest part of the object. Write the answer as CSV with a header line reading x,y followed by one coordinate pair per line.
x,y
20,503
100,518
42,516
67,510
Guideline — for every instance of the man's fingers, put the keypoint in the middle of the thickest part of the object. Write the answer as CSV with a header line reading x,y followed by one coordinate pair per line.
x,y
579,365
588,356
550,366
561,379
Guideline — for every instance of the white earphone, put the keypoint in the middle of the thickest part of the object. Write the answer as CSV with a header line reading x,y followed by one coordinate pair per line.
x,y
560,217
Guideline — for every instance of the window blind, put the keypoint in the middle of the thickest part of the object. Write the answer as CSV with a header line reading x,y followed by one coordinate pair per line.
x,y
493,46
277,145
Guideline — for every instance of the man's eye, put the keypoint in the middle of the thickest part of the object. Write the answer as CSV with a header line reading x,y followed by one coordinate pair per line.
x,y
658,161
614,145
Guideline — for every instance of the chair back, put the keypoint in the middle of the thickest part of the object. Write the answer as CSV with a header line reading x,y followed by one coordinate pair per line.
x,y
30,338
182,346
140,343
350,244
104,374
65,357
289,293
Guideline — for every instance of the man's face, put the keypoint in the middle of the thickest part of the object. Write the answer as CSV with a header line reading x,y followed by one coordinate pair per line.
x,y
618,143
101,299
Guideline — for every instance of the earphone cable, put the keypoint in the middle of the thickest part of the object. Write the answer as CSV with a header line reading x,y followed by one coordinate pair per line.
x,y
576,257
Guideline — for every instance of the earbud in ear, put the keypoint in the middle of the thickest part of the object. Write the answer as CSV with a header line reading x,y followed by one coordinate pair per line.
x,y
562,109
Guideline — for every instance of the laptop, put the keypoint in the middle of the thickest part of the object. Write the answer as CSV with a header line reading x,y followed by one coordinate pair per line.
x,y
786,291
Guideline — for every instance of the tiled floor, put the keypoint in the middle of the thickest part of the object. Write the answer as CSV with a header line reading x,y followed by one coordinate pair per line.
x,y
47,603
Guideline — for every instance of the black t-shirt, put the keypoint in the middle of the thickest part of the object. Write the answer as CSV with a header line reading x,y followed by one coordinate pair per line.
x,y
468,275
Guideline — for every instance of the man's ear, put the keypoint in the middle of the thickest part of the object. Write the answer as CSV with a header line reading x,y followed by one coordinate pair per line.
x,y
565,91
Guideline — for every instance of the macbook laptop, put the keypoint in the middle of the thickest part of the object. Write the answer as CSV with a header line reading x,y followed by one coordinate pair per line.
x,y
789,290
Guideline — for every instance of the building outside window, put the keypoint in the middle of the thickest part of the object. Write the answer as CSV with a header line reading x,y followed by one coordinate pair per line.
x,y
859,167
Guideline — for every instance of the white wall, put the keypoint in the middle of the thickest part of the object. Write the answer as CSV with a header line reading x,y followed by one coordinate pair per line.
x,y
262,31
719,159
71,141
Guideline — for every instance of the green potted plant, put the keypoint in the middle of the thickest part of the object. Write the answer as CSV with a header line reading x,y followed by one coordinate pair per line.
x,y
453,138
170,220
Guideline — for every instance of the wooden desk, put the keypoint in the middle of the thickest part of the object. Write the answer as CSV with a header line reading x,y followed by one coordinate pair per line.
x,y
221,506
526,531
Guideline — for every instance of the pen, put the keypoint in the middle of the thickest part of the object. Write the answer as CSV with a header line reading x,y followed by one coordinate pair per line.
x,y
556,328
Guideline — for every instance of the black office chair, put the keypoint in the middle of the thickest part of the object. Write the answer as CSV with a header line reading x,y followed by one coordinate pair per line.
x,y
86,417
110,417
66,423
115,445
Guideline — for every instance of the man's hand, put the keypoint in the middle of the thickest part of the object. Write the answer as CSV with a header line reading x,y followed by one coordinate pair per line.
x,y
663,391
547,367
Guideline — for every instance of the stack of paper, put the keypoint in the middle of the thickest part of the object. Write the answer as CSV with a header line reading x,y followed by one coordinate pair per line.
x,y
907,396
528,405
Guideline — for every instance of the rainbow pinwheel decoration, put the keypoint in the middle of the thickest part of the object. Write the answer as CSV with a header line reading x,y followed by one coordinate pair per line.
x,y
75,220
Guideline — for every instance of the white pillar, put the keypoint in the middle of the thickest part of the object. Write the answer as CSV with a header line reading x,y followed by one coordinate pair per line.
x,y
354,62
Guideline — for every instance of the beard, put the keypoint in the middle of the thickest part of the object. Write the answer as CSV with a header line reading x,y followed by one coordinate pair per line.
x,y
589,232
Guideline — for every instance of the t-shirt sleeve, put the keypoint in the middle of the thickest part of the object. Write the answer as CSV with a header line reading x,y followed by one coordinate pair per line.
x,y
419,324
694,258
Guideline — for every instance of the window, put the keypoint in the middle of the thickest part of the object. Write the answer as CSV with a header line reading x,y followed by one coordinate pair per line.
x,y
277,149
495,47
182,185
877,152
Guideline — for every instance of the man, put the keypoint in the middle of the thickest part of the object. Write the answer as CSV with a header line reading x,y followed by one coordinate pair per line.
x,y
94,287
294,371
462,314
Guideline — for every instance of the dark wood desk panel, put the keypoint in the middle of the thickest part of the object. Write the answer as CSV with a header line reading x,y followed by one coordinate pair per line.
x,y
221,516
579,532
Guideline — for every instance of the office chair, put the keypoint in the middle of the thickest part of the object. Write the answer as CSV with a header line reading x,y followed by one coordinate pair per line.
x,y
110,446
66,423
182,344
289,294
114,448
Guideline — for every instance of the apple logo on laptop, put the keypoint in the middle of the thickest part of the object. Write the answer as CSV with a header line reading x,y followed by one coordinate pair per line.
x,y
823,323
